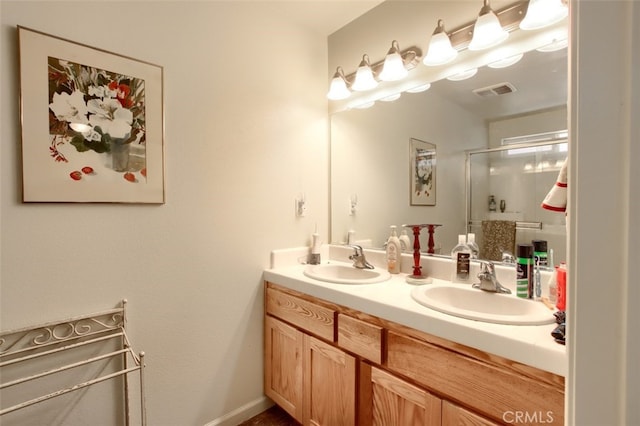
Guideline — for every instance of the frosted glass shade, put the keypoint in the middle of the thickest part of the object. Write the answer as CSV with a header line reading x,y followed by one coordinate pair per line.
x,y
440,50
542,13
487,31
338,88
393,68
364,79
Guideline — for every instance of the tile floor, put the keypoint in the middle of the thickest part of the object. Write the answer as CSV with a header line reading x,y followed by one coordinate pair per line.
x,y
274,416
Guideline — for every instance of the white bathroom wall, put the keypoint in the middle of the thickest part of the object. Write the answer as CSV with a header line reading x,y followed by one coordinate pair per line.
x,y
549,120
246,130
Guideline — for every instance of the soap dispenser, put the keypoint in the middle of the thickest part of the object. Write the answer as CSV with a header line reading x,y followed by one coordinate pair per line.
x,y
394,252
405,241
461,257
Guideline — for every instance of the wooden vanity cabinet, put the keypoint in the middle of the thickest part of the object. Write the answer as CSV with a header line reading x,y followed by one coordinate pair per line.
x,y
388,400
283,366
330,365
329,385
311,379
491,386
455,415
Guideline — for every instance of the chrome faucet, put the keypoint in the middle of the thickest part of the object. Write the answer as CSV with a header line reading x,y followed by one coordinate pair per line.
x,y
359,261
507,257
488,281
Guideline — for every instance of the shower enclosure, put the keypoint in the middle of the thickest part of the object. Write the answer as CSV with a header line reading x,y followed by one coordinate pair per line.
x,y
508,184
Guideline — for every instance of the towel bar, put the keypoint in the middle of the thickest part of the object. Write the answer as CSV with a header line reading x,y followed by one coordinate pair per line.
x,y
45,341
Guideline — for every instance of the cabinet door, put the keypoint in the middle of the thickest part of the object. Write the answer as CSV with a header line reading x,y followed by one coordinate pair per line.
x,y
283,366
388,400
329,385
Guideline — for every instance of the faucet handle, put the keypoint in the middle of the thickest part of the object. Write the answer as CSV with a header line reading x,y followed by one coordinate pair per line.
x,y
487,267
357,248
359,261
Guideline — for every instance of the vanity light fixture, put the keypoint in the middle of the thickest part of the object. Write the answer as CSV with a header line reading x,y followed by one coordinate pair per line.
x,y
364,79
542,13
463,75
440,51
487,31
393,68
338,89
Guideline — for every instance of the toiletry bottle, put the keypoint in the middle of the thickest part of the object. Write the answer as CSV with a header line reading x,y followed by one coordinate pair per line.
x,y
524,271
553,287
561,303
461,256
540,252
471,242
492,203
351,237
314,257
394,253
405,241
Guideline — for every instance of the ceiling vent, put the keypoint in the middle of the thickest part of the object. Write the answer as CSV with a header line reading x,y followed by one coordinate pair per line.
x,y
495,90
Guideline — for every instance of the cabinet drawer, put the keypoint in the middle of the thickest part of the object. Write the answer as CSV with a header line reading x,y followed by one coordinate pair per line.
x,y
309,316
485,388
360,337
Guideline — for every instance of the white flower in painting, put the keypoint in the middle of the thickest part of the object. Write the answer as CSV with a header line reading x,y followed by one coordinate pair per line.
x,y
109,115
69,107
97,91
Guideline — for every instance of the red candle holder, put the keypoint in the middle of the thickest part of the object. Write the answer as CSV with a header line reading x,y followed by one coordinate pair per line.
x,y
417,276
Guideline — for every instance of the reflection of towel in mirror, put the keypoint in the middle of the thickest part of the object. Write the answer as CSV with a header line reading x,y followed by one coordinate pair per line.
x,y
497,236
556,199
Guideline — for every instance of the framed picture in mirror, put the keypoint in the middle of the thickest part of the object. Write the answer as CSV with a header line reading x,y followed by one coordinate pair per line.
x,y
422,166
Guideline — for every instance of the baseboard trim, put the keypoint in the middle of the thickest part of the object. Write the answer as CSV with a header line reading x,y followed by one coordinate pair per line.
x,y
243,413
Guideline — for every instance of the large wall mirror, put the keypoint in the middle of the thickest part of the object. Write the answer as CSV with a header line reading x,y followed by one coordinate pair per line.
x,y
371,148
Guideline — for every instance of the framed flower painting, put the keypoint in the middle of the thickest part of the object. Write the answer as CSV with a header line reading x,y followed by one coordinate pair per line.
x,y
92,123
423,173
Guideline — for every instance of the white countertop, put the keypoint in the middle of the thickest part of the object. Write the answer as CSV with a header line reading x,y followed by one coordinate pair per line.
x,y
391,300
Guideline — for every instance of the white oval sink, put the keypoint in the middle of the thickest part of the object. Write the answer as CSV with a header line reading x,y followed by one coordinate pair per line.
x,y
345,274
475,304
